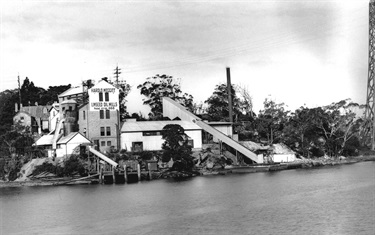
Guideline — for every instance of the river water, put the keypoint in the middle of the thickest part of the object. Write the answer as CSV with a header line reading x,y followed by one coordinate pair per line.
x,y
329,200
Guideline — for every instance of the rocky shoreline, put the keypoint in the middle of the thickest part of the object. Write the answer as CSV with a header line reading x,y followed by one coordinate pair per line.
x,y
300,164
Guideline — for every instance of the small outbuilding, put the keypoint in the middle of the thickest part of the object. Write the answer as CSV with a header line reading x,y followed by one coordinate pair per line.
x,y
71,144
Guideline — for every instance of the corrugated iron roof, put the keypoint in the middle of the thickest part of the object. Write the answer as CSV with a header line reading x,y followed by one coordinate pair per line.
x,y
72,91
36,111
66,139
156,126
44,140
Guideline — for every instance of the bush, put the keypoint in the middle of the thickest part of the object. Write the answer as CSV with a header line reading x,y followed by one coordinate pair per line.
x,y
45,167
72,166
352,147
317,152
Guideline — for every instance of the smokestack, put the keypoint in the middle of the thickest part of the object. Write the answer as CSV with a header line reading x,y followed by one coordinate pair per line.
x,y
16,107
229,86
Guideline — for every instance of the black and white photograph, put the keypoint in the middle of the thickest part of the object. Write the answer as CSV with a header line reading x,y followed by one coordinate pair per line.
x,y
173,117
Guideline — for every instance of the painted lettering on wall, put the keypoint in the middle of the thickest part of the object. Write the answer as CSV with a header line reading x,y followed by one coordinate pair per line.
x,y
109,90
104,106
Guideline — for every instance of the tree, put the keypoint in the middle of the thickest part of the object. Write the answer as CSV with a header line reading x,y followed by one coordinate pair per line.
x,y
124,89
218,104
246,101
52,93
160,86
271,121
31,94
339,124
8,99
301,132
176,147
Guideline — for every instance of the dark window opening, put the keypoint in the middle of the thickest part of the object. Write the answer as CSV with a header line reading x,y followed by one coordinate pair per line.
x,y
100,96
102,131
137,146
151,133
106,96
108,131
107,114
101,112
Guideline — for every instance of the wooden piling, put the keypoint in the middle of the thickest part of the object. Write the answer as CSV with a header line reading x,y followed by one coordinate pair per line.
x,y
125,174
113,175
149,170
139,172
101,175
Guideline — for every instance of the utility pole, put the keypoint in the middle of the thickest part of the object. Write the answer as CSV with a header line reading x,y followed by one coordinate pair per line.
x,y
370,100
19,89
117,74
229,87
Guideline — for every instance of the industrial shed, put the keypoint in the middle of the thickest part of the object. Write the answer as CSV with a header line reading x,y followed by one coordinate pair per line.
x,y
146,135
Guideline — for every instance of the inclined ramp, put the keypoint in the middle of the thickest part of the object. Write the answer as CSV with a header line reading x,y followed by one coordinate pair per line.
x,y
172,109
103,157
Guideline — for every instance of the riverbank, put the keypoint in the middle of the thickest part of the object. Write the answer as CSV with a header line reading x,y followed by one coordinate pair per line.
x,y
300,164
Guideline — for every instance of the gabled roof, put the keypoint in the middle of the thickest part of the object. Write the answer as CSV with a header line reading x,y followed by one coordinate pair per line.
x,y
69,137
72,91
48,139
36,111
156,126
44,140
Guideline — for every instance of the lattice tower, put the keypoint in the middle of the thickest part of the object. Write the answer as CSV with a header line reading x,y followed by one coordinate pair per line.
x,y
370,107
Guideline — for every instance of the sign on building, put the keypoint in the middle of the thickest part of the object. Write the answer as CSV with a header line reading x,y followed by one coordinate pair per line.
x,y
104,96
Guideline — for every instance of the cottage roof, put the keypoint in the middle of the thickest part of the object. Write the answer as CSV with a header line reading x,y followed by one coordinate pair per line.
x,y
36,111
156,126
69,137
281,148
254,146
44,140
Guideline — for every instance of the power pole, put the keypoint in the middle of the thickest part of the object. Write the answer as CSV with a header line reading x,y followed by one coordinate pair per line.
x,y
370,100
19,89
117,74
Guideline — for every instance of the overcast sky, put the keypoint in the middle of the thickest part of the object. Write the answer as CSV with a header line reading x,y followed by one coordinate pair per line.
x,y
293,51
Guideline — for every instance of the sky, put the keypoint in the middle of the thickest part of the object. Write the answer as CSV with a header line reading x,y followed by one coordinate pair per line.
x,y
297,52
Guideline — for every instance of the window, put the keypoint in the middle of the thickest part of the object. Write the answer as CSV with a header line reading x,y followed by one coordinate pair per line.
x,y
70,108
151,133
106,96
108,131
22,118
84,115
101,114
102,143
100,96
102,131
109,143
137,146
96,144
107,114
53,113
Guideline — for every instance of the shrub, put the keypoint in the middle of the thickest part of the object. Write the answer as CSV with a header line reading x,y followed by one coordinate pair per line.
x,y
45,167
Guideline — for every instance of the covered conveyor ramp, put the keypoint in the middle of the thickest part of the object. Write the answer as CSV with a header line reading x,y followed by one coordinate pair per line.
x,y
172,109
103,157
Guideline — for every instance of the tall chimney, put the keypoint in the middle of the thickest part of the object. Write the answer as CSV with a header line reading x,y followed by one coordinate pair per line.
x,y
15,107
229,86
